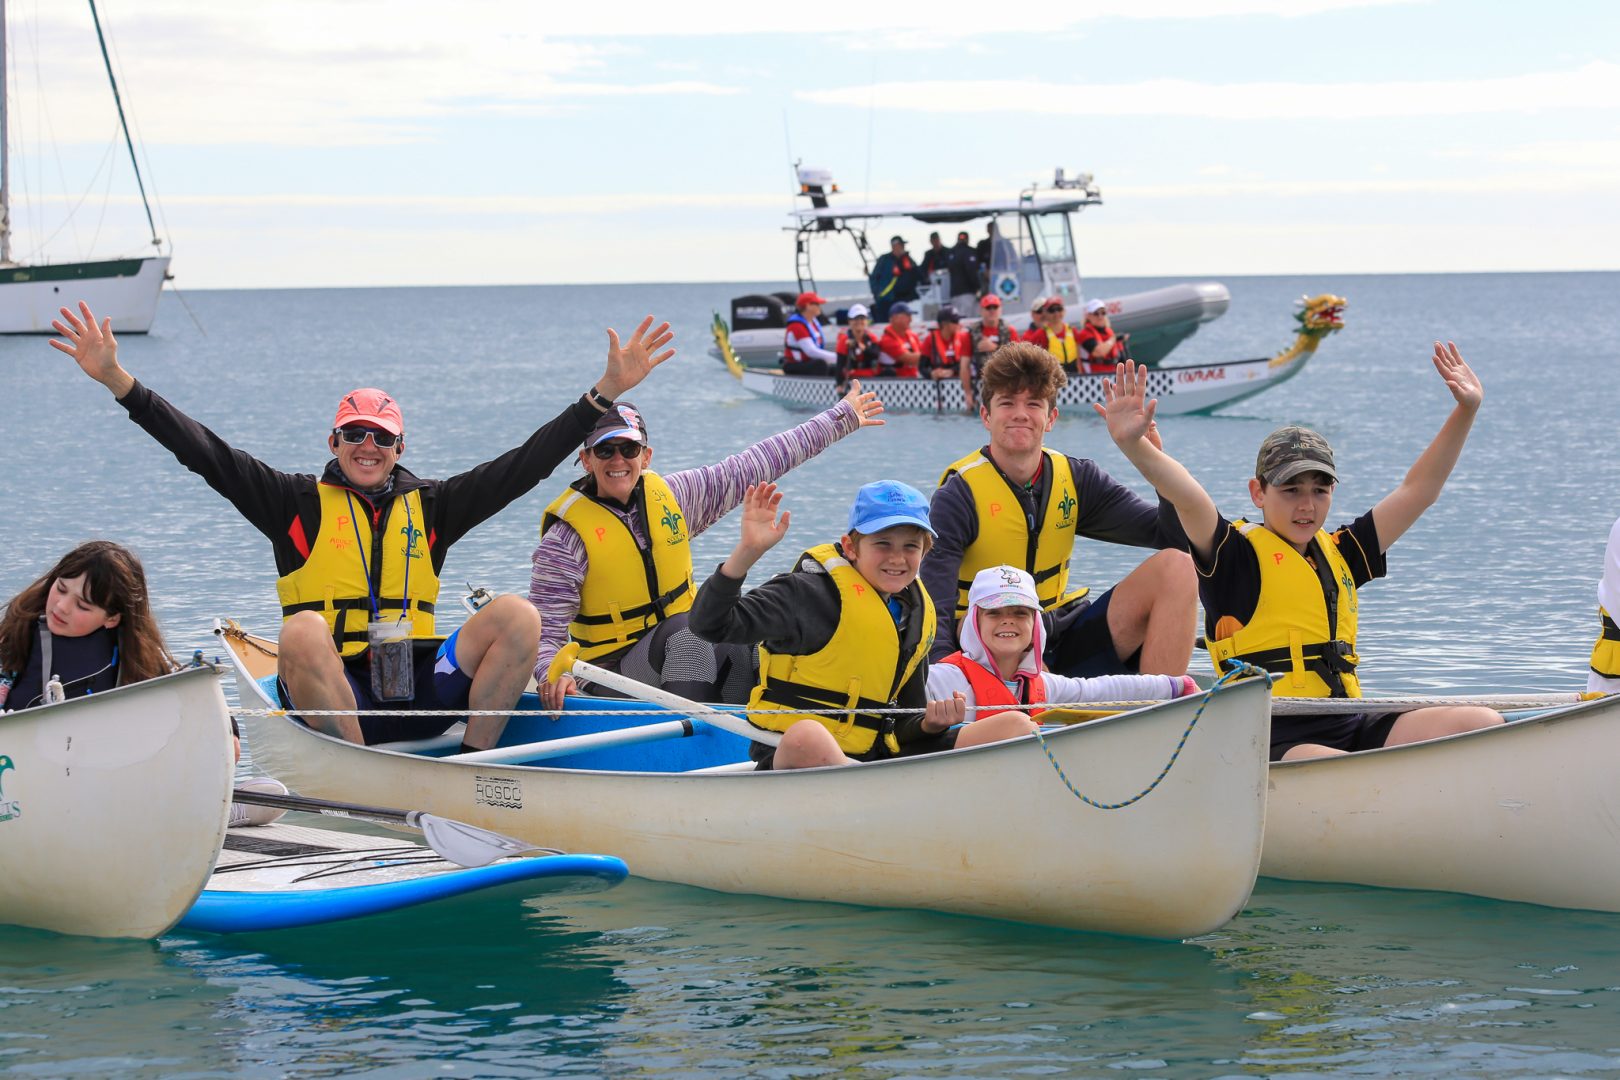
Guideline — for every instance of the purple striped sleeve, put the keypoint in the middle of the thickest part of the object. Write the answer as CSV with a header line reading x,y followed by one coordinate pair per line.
x,y
555,582
709,493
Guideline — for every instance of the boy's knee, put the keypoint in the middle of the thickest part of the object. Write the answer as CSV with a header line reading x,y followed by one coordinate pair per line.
x,y
1175,568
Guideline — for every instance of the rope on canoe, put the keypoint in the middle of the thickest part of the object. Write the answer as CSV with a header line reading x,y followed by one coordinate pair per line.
x,y
1086,706
1237,669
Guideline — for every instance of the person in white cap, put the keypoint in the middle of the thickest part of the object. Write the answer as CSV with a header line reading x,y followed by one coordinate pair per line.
x,y
858,352
999,663
1100,347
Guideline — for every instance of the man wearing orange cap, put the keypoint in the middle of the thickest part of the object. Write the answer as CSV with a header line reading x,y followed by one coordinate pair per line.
x,y
804,352
350,545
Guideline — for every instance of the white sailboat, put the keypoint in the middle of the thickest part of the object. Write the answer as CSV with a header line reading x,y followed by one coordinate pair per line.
x,y
124,289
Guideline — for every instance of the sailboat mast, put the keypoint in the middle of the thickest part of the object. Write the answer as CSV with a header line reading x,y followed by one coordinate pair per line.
x,y
5,149
113,80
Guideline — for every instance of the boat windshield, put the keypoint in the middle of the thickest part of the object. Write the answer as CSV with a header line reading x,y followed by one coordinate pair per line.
x,y
1053,246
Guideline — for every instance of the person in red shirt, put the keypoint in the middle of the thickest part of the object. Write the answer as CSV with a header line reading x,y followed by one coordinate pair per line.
x,y
902,349
858,353
990,334
804,351
945,349
1036,332
1100,347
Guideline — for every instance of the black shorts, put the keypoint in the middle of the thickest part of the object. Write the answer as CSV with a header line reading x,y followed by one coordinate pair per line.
x,y
764,756
1339,731
440,684
1080,645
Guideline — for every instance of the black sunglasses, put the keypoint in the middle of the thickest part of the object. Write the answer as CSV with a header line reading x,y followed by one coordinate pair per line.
x,y
354,436
622,447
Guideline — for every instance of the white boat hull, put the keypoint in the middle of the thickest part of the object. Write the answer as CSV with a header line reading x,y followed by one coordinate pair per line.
x,y
989,831
1158,320
125,290
1179,390
113,806
1529,811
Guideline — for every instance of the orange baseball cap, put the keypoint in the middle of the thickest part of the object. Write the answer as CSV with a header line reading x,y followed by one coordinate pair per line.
x,y
370,406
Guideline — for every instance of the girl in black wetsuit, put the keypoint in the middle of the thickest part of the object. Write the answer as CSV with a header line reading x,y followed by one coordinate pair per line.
x,y
88,620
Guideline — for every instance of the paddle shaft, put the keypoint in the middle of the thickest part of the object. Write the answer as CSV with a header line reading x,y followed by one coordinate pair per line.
x,y
1291,706
324,806
697,711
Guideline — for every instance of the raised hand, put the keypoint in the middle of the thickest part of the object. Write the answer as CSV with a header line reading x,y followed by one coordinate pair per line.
x,y
630,362
1460,378
940,715
93,347
1128,410
762,529
866,404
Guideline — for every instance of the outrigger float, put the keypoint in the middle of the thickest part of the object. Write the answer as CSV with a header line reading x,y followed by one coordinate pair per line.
x,y
989,830
113,806
1179,390
1033,257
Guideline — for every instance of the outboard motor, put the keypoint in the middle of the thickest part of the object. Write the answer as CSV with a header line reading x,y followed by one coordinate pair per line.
x,y
759,312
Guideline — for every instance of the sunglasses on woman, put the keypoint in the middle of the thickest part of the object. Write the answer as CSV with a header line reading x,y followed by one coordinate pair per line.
x,y
624,448
354,436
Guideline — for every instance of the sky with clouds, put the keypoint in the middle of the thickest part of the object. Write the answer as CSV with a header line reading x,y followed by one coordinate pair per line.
x,y
383,142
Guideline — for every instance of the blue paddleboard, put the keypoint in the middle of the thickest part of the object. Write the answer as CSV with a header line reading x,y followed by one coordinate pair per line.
x,y
272,877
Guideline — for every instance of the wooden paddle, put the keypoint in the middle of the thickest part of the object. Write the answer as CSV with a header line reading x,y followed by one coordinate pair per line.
x,y
462,844
567,662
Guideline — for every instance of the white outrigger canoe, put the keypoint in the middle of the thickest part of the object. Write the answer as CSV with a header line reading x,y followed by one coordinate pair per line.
x,y
988,831
113,806
1528,811
1179,390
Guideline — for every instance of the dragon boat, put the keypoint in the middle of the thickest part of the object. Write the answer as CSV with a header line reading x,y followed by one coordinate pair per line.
x,y
1179,390
995,831
1527,811
1032,256
113,806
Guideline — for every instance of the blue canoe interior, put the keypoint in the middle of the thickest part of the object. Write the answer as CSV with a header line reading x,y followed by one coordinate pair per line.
x,y
706,747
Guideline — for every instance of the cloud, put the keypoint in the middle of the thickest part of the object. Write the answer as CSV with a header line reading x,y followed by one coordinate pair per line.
x,y
1593,86
309,72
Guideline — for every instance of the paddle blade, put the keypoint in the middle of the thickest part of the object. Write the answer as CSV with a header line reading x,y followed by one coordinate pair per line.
x,y
468,845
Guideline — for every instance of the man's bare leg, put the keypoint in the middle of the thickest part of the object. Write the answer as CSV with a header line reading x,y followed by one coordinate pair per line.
x,y
309,665
1155,609
497,647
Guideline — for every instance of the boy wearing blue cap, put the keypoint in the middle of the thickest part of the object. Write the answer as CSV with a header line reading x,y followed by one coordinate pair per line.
x,y
847,628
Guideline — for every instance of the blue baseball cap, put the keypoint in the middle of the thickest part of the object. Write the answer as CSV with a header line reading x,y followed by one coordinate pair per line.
x,y
902,308
886,503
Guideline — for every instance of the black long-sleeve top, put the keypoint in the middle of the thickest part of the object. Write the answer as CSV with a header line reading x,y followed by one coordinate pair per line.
x,y
286,507
796,614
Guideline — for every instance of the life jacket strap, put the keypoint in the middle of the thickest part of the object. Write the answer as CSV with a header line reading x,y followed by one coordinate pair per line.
x,y
1611,631
362,603
792,695
655,607
1330,660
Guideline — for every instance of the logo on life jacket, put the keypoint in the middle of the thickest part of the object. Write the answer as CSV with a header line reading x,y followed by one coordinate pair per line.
x,y
1067,505
411,534
1350,588
672,521
8,807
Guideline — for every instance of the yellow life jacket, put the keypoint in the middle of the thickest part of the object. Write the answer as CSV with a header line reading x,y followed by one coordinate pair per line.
x,y
616,604
1004,537
1065,348
860,667
1292,632
347,552
1606,653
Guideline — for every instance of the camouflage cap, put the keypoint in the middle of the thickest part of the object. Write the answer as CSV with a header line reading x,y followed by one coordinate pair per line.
x,y
1289,451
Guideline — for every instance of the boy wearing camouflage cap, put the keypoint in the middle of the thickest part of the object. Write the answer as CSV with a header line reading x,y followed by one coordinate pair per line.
x,y
1280,593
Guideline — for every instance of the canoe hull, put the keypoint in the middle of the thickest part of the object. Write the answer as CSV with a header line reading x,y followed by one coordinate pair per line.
x,y
988,831
1529,811
1180,390
113,807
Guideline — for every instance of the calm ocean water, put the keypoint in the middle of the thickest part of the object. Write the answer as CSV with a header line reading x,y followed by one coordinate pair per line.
x,y
1492,590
